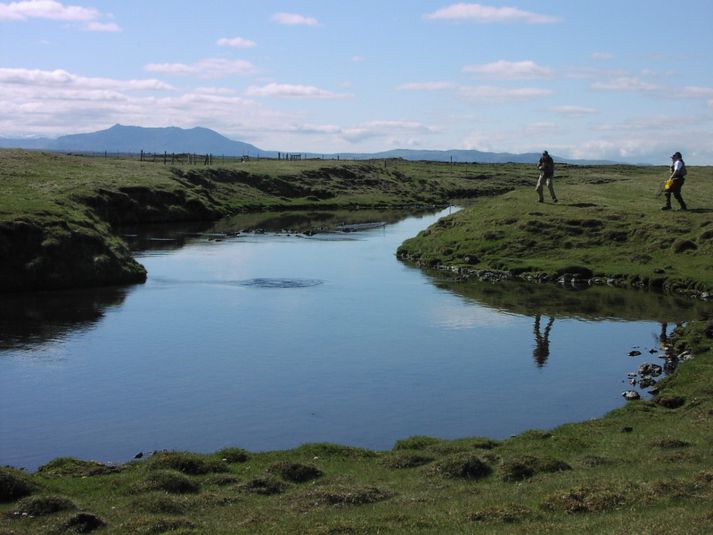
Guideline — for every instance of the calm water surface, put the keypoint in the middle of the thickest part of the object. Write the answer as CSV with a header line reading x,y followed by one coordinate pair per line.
x,y
267,341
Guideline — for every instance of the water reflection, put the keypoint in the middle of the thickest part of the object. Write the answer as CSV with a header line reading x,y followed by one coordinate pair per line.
x,y
28,320
542,341
593,303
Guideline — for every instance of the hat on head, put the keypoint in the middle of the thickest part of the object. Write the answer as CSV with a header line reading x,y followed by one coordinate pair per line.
x,y
544,152
676,155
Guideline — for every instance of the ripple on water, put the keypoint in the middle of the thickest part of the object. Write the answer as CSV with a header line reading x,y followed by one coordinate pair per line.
x,y
280,283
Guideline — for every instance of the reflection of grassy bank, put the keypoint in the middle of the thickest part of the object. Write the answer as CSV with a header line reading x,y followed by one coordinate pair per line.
x,y
645,468
595,302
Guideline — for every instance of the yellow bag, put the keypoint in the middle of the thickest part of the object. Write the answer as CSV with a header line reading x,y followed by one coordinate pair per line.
x,y
667,185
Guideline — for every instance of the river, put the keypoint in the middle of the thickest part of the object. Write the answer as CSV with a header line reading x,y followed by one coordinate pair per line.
x,y
267,340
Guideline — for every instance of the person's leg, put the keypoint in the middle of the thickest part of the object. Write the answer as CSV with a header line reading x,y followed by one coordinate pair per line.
x,y
667,206
677,194
551,187
539,188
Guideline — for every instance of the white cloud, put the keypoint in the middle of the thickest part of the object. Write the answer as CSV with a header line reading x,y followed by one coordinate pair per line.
x,y
502,94
602,56
45,9
385,129
481,13
206,68
294,19
291,91
624,83
60,78
358,59
236,42
574,110
102,27
696,92
509,70
425,86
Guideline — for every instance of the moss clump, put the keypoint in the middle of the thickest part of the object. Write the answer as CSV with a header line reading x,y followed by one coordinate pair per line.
x,y
233,455
326,450
462,466
345,495
585,500
267,486
160,504
154,526
43,505
14,485
171,482
525,467
509,514
418,442
187,463
71,467
407,460
671,402
82,523
294,472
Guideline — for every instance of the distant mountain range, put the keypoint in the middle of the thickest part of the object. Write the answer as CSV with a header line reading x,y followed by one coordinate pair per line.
x,y
134,139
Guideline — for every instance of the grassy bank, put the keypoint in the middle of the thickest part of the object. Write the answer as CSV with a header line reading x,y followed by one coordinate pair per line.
x,y
607,225
57,211
646,468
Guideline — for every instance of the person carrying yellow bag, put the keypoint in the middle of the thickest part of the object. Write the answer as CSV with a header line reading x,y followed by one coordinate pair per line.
x,y
675,182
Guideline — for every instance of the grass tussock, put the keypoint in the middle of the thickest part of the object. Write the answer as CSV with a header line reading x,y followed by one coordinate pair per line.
x,y
187,463
161,504
407,459
506,514
233,455
294,472
461,466
15,484
265,486
586,500
71,467
340,495
82,522
156,526
169,481
43,505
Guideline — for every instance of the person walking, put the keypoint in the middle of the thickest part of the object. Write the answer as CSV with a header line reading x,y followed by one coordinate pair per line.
x,y
546,165
677,178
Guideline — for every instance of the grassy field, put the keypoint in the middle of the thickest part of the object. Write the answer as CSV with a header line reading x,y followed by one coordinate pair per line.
x,y
645,468
58,212
607,224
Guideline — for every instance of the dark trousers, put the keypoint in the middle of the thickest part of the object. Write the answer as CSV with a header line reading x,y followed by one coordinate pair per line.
x,y
676,191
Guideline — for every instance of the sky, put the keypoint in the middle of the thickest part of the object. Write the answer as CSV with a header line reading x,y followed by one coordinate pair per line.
x,y
624,80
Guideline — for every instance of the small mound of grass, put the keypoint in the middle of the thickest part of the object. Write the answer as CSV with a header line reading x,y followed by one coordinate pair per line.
x,y
82,522
418,442
462,466
171,482
154,526
192,464
585,500
510,514
14,484
671,402
43,505
71,467
265,486
407,460
160,504
592,461
222,480
327,450
294,472
342,495
233,455
670,443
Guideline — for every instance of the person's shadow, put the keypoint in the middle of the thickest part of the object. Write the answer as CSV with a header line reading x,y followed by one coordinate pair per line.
x,y
542,341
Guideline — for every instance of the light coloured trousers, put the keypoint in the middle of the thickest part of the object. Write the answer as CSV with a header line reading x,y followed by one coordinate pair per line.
x,y
550,181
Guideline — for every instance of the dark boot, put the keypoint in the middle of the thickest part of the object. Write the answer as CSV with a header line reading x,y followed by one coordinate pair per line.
x,y
680,200
667,206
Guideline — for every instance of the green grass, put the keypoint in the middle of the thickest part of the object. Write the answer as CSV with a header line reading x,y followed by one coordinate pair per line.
x,y
644,468
607,223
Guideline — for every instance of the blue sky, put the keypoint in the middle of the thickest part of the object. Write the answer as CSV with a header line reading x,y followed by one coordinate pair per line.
x,y
626,80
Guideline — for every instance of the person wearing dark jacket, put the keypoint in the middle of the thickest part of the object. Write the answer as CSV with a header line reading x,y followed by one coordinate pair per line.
x,y
677,178
546,165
